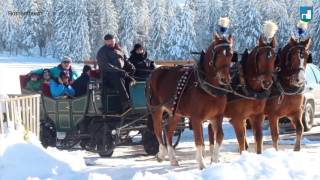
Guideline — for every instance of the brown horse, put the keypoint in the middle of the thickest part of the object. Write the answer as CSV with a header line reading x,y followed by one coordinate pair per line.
x,y
293,59
192,92
257,72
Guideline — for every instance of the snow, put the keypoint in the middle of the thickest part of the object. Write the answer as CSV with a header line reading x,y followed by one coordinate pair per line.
x,y
270,165
23,157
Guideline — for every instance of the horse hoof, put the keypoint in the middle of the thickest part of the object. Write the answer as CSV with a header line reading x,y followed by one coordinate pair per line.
x,y
202,166
174,163
296,149
159,159
214,160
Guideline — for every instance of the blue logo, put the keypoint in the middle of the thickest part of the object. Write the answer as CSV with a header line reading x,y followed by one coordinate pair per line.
x,y
306,13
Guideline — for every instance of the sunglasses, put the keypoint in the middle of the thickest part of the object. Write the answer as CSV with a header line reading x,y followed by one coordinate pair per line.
x,y
66,62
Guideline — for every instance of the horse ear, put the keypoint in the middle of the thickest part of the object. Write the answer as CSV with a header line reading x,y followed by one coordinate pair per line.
x,y
216,37
230,39
292,40
310,58
273,42
261,42
307,43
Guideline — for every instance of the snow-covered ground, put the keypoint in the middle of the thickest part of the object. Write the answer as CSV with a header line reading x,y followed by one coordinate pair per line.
x,y
25,158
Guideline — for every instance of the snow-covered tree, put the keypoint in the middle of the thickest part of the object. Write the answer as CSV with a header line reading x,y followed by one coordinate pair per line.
x,y
159,28
249,26
45,26
62,28
201,24
29,26
143,20
80,46
215,8
182,36
102,19
7,31
127,24
315,33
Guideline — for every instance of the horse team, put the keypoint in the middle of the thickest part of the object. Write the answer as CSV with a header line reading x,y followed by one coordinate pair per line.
x,y
266,83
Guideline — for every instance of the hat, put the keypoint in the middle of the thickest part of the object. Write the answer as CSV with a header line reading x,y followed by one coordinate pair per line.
x,y
108,37
86,68
66,59
136,46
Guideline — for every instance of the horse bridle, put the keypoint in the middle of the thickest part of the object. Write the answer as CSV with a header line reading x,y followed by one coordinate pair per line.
x,y
213,61
259,74
288,63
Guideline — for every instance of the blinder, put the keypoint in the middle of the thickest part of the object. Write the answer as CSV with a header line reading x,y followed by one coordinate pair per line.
x,y
234,57
309,60
288,56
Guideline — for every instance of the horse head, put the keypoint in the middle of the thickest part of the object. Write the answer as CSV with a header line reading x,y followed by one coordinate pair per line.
x,y
293,61
217,60
259,67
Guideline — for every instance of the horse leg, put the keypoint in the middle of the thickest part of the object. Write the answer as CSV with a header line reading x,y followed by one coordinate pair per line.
x,y
246,144
157,125
173,121
198,139
257,122
274,130
239,128
211,137
297,121
218,135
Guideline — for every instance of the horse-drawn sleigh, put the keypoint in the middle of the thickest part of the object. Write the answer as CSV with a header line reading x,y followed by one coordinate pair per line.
x,y
68,123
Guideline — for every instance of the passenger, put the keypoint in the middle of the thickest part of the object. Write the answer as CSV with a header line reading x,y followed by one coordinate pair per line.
x,y
45,82
61,87
34,84
80,85
115,69
64,66
139,58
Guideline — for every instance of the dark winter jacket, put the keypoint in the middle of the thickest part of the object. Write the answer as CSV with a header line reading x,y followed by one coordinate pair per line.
x,y
114,60
80,85
142,64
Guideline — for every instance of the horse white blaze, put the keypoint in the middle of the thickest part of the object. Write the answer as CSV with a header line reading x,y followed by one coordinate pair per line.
x,y
199,157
